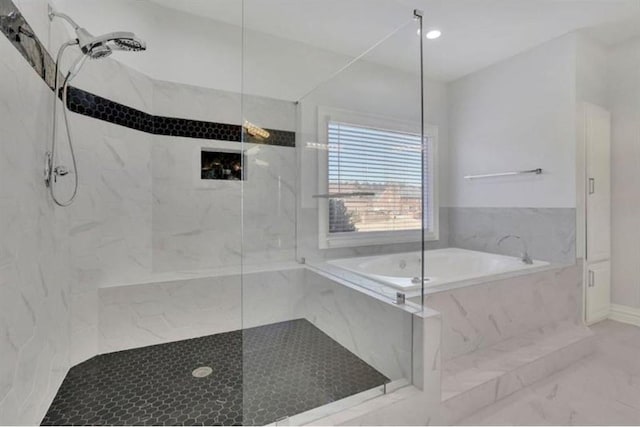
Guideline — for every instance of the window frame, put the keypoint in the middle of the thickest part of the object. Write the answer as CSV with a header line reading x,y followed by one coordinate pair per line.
x,y
328,240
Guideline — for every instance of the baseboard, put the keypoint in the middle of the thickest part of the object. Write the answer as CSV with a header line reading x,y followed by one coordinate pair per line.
x,y
625,314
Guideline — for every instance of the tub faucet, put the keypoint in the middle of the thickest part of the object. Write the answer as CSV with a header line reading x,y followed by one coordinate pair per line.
x,y
525,252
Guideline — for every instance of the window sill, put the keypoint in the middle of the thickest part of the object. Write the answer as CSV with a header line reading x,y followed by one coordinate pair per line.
x,y
351,240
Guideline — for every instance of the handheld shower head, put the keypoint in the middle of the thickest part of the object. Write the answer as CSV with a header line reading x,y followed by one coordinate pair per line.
x,y
92,48
102,46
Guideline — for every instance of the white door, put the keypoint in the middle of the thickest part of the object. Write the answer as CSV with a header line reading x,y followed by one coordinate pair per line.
x,y
598,291
597,213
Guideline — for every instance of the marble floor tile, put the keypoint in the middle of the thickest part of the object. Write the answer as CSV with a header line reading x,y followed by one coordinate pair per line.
x,y
602,389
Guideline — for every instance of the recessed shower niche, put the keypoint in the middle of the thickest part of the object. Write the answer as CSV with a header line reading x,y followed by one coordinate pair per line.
x,y
221,165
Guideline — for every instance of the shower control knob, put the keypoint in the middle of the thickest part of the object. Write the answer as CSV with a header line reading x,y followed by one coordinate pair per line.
x,y
60,171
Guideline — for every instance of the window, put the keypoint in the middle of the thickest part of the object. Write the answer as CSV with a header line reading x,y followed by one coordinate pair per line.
x,y
374,182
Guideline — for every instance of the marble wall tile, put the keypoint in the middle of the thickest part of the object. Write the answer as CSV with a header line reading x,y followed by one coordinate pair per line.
x,y
193,227
138,315
110,221
427,352
377,332
34,254
201,227
479,316
117,82
550,233
272,296
197,103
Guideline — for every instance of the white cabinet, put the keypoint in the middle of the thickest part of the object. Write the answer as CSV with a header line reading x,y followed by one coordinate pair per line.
x,y
598,152
597,213
598,290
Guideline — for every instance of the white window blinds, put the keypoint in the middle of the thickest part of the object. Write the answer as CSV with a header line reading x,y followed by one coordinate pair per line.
x,y
383,162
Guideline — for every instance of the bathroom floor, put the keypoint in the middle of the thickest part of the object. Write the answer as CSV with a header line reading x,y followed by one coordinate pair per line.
x,y
603,389
260,375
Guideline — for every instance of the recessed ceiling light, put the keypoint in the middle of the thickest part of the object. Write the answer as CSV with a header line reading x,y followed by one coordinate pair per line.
x,y
434,34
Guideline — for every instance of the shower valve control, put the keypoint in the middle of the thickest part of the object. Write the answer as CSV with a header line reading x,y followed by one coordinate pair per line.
x,y
60,171
53,172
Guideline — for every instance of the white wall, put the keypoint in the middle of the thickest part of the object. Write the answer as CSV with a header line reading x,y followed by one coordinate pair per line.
x,y
515,115
624,103
193,50
34,251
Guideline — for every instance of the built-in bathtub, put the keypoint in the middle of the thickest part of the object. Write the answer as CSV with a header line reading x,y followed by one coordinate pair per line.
x,y
444,268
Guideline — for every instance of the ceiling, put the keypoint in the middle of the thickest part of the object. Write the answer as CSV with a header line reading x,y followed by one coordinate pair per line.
x,y
476,33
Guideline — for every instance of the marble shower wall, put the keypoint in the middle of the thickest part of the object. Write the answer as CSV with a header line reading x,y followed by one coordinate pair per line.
x,y
110,221
200,226
550,233
141,209
34,252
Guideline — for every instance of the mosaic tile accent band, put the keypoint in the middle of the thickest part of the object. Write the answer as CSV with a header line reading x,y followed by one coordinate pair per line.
x,y
97,107
17,30
259,375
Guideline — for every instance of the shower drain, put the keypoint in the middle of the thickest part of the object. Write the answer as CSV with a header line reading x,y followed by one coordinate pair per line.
x,y
201,372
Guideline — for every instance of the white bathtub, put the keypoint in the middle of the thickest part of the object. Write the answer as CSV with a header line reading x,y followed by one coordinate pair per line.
x,y
443,267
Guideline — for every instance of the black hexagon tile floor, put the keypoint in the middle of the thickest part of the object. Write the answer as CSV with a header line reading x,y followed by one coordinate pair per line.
x,y
258,376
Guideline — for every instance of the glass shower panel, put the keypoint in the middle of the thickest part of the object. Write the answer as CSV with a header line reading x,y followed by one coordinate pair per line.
x,y
331,141
360,211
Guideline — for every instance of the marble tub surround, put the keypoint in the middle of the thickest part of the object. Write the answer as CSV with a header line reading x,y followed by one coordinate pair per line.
x,y
483,315
550,233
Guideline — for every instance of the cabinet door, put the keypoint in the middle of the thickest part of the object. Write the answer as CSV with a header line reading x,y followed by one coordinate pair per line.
x,y
598,215
598,291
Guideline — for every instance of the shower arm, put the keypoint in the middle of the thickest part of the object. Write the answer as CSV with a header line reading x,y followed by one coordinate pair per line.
x,y
54,14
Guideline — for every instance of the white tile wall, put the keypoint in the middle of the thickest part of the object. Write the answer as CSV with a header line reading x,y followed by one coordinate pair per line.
x,y
34,252
479,316
110,221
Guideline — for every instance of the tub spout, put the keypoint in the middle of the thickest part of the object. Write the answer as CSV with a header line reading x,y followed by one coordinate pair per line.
x,y
525,257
